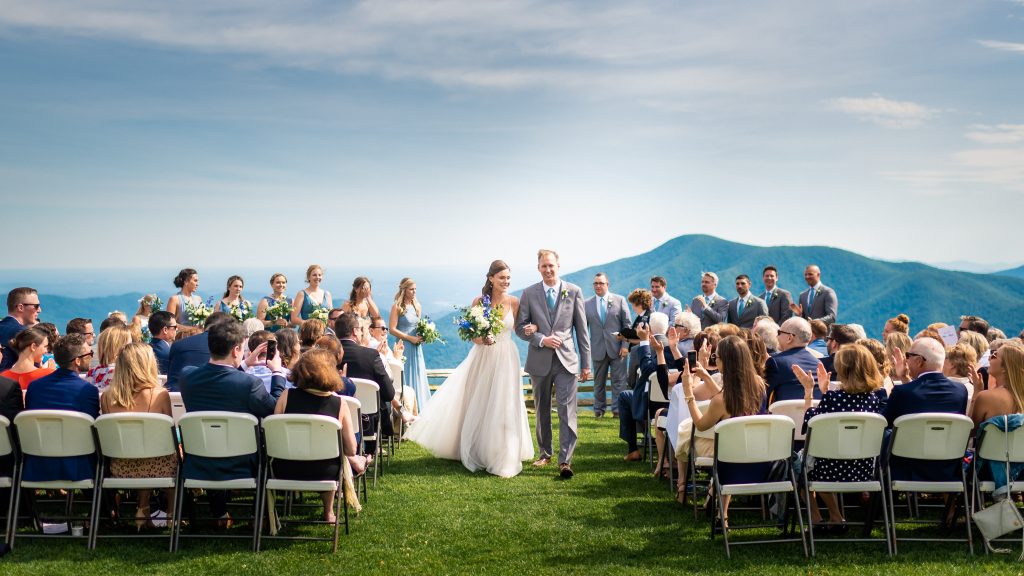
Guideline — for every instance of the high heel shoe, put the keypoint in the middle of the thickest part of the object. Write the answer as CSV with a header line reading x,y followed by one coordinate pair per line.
x,y
142,519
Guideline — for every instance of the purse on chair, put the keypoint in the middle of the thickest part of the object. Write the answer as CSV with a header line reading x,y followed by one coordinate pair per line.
x,y
1002,517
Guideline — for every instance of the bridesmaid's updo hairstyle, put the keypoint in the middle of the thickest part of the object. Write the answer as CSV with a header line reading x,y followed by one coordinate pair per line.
x,y
183,276
275,277
231,280
496,266
309,271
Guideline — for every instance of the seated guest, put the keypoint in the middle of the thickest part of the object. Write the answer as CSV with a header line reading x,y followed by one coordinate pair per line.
x,y
311,331
115,318
860,378
900,323
1000,398
995,334
877,350
190,351
251,326
333,345
136,387
758,350
981,347
768,331
894,341
162,328
794,335
316,381
925,390
634,409
51,336
220,385
819,344
961,360
288,347
687,327
22,311
839,335
257,345
29,345
64,390
110,343
641,300
81,326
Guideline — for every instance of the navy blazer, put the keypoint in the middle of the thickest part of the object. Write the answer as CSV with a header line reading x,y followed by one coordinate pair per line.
x,y
9,328
62,390
931,392
192,351
216,387
365,363
779,378
162,351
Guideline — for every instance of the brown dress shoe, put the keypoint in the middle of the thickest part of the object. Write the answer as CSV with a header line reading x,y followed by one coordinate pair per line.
x,y
633,456
565,471
542,462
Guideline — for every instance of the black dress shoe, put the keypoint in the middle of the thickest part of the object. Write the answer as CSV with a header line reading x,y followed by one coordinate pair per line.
x,y
565,471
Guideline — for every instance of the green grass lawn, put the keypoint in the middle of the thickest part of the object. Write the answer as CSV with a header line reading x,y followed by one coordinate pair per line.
x,y
428,516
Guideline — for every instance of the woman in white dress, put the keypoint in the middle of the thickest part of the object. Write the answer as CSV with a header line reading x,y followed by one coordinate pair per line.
x,y
478,415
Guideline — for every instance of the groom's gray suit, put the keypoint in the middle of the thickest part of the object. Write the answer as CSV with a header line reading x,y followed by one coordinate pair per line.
x,y
559,366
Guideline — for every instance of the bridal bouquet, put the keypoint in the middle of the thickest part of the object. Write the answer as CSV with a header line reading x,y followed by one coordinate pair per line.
x,y
427,330
198,313
480,321
281,310
242,311
320,313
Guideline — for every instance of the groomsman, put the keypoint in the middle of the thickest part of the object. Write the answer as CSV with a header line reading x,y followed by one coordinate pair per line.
x,y
819,302
777,299
662,301
709,306
746,307
607,314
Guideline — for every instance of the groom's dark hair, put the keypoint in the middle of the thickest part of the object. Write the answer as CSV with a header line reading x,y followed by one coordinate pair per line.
x,y
346,324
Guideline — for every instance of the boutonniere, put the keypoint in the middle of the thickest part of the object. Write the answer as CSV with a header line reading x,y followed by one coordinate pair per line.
x,y
565,294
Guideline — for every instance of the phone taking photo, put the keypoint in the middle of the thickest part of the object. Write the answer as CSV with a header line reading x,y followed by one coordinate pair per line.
x,y
271,349
691,358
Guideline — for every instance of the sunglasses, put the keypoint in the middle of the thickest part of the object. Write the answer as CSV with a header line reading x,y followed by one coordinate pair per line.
x,y
86,355
35,305
910,355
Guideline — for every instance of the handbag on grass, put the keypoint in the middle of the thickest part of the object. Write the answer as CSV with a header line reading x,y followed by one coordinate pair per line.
x,y
1002,517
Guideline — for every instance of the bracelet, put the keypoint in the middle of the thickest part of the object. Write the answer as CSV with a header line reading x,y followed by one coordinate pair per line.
x,y
689,398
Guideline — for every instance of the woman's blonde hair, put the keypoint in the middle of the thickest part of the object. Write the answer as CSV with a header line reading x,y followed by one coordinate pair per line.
x,y
400,297
309,271
881,355
901,323
857,369
1011,355
136,370
976,341
960,358
111,342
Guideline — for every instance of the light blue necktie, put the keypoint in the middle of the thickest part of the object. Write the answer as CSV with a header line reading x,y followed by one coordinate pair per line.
x,y
739,307
767,297
810,300
601,308
551,298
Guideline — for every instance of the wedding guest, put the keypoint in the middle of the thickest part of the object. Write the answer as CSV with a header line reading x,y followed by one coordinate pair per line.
x,y
839,335
251,326
162,328
819,343
136,387
259,367
1006,383
288,347
51,336
794,335
313,297
279,286
768,330
330,343
995,334
818,302
635,409
192,351
746,307
11,403
23,309
974,324
687,326
860,378
310,331
316,381
663,302
232,301
961,360
901,323
360,299
29,345
406,313
108,346
187,332
641,300
981,347
187,282
332,317
777,299
758,350
112,320
144,311
708,305
896,341
81,326
881,356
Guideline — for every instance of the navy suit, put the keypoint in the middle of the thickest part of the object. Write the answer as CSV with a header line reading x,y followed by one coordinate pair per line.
x,y
365,363
216,387
9,328
162,351
62,390
930,392
779,378
192,351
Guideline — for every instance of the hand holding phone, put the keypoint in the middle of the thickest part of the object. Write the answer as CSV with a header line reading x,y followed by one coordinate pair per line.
x,y
691,358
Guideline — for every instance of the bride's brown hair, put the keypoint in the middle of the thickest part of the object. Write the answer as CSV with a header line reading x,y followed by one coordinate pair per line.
x,y
496,266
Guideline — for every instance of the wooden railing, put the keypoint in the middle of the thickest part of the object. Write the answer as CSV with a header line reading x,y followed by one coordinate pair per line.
x,y
439,374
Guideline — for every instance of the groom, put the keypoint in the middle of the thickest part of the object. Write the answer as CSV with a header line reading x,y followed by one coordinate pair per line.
x,y
549,312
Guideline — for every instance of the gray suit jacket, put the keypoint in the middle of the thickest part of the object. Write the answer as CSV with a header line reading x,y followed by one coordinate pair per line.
x,y
617,318
753,308
825,306
716,313
667,305
778,304
567,318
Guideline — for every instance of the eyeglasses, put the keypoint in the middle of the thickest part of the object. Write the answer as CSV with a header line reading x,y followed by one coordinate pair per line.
x,y
910,355
86,355
172,327
384,328
786,333
600,283
993,355
35,305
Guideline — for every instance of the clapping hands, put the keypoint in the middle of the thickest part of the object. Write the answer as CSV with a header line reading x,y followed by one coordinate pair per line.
x,y
797,309
808,381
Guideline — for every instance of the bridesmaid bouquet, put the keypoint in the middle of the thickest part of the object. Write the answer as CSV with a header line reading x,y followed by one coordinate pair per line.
x,y
427,330
242,311
281,310
198,313
320,313
480,321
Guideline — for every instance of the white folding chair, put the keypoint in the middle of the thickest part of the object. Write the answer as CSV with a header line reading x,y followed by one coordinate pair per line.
x,y
7,480
217,434
305,437
699,463
654,394
398,379
846,436
55,434
996,445
177,406
368,394
749,440
355,414
132,436
794,409
929,436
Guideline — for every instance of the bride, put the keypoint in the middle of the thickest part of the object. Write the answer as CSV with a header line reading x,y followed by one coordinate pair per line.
x,y
478,415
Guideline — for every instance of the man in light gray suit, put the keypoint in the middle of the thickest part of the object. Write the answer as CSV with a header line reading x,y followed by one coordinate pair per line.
x,y
607,314
552,320
662,301
819,302
777,299
746,307
709,306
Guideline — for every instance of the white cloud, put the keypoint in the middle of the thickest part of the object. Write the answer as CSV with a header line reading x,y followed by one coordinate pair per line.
x,y
998,134
1001,167
1005,46
883,111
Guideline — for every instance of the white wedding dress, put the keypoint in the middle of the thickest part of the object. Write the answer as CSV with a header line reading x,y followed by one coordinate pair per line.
x,y
479,415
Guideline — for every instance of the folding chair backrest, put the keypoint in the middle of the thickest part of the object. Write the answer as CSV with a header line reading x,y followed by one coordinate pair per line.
x,y
6,447
177,406
794,409
654,389
354,407
55,433
993,444
136,435
396,373
218,434
301,436
710,432
846,435
747,439
931,436
367,392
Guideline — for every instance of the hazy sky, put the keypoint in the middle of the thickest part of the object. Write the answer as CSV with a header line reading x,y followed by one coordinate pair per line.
x,y
454,132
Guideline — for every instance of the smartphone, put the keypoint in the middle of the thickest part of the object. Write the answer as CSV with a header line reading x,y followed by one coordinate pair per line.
x,y
271,349
691,357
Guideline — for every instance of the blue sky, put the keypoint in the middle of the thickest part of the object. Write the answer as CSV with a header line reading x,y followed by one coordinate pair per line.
x,y
454,132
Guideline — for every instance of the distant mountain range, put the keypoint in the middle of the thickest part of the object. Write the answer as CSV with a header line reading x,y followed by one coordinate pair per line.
x,y
1017,272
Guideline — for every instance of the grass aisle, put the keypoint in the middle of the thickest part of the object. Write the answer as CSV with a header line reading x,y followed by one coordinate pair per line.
x,y
428,516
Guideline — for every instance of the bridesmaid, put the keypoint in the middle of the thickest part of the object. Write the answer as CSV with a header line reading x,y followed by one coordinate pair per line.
x,y
279,283
405,313
360,300
187,282
313,296
233,297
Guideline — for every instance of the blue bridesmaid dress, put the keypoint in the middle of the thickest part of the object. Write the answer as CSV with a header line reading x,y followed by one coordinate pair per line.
x,y
415,374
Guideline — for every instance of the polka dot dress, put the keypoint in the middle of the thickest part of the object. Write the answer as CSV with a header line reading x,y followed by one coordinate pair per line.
x,y
828,470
